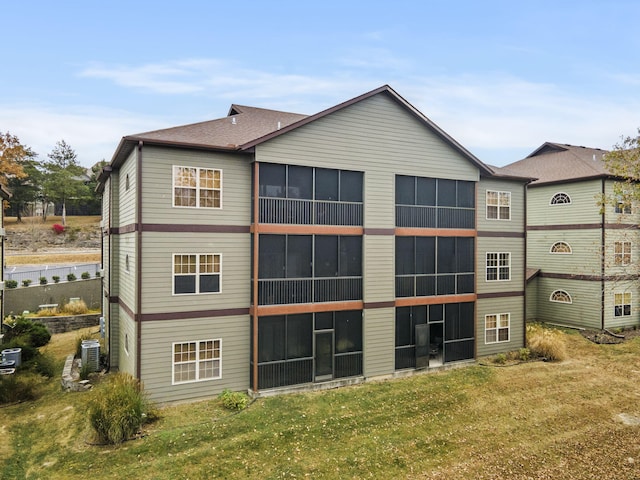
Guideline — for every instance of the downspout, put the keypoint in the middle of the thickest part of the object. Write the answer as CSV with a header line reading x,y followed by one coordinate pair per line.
x,y
138,314
524,304
475,268
110,259
602,259
254,260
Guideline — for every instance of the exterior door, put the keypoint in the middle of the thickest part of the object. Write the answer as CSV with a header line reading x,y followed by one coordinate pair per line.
x,y
324,356
422,345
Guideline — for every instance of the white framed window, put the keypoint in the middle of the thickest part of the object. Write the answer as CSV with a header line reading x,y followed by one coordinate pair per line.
x,y
498,266
622,304
498,205
562,248
197,187
560,296
197,273
196,361
497,327
622,253
560,198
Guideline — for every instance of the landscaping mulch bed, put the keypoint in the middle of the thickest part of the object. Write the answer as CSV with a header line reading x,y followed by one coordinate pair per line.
x,y
610,337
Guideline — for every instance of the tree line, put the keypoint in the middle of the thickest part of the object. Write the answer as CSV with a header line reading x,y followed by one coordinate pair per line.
x,y
58,180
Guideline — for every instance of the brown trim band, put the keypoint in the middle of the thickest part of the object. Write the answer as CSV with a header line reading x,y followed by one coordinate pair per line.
x,y
590,278
380,231
290,309
369,305
501,234
125,307
306,229
435,300
131,228
163,227
227,312
482,296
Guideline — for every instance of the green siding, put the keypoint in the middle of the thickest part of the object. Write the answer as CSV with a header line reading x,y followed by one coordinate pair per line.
x,y
511,305
126,279
621,286
379,268
157,274
585,248
379,341
583,312
513,245
532,300
583,208
126,331
158,187
158,338
517,221
127,198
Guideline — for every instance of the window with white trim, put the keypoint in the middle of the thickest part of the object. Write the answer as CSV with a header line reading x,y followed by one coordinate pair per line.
x,y
496,327
498,205
560,198
498,266
197,187
622,304
197,273
622,253
560,248
196,361
560,296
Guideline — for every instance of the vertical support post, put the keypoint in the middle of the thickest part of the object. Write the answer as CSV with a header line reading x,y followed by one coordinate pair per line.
x,y
254,262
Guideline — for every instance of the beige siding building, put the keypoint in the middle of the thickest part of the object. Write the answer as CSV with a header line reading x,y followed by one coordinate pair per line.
x,y
4,195
267,251
582,255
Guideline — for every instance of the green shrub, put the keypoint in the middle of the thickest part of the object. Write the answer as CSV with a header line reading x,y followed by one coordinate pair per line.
x,y
233,400
31,333
546,343
119,408
43,280
71,277
20,388
45,364
26,282
11,283
524,354
500,359
55,278
85,276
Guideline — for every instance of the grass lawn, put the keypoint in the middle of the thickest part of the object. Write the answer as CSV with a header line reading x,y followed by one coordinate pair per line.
x,y
530,421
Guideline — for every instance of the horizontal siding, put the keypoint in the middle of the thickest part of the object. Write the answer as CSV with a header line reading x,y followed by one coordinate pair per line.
x,y
611,216
379,341
158,338
126,279
516,246
157,260
158,187
379,268
612,236
532,299
375,136
583,312
585,248
621,286
488,306
582,209
127,198
111,312
517,221
126,331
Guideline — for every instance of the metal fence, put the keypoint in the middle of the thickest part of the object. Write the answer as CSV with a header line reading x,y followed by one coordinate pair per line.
x,y
18,274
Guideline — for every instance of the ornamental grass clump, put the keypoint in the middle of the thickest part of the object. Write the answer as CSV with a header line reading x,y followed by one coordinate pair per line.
x,y
77,307
119,408
546,343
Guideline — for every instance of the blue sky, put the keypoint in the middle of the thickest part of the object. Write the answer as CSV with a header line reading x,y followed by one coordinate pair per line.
x,y
501,77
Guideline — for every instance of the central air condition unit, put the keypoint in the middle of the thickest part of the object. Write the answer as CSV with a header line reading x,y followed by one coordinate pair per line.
x,y
91,355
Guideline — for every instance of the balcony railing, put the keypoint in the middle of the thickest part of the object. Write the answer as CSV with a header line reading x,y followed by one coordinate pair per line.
x,y
284,291
309,212
285,372
434,284
418,216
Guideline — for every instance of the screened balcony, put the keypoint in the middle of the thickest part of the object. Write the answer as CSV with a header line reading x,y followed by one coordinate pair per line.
x,y
282,291
434,284
309,212
416,216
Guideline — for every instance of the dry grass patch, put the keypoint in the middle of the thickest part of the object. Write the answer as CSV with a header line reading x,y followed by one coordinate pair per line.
x,y
546,342
52,258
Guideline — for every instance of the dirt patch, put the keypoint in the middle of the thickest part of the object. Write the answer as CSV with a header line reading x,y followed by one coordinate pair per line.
x,y
610,337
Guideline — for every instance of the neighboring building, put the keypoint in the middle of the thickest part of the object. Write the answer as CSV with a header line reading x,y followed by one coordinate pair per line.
x,y
4,195
269,250
582,256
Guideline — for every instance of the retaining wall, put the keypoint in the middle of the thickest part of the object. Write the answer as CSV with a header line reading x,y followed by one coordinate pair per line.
x,y
68,324
17,300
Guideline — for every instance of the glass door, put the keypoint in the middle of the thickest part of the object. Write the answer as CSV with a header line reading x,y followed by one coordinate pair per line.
x,y
323,355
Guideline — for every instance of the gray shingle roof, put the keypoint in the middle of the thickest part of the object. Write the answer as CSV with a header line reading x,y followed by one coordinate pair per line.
x,y
556,162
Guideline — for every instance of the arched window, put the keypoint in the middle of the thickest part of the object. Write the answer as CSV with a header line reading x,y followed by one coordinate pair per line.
x,y
560,296
561,248
560,198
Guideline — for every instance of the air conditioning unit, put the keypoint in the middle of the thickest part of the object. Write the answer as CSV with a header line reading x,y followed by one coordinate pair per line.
x,y
90,355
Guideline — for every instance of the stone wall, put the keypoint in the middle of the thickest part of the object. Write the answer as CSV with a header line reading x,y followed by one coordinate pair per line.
x,y
68,324
17,300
